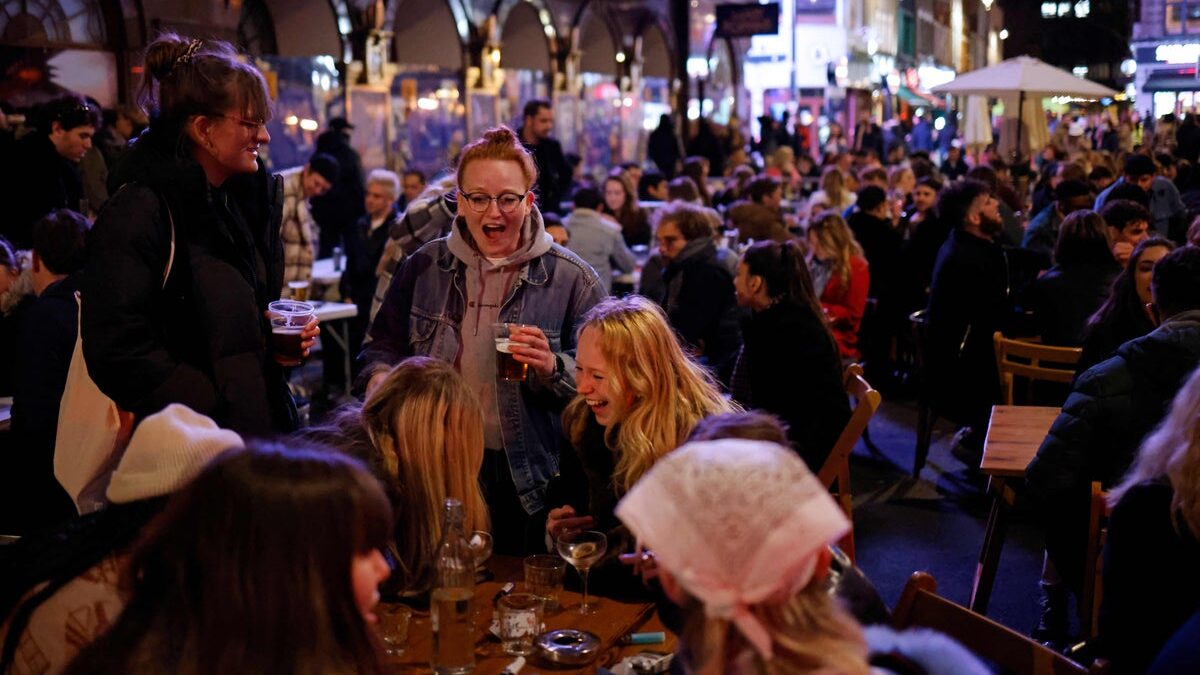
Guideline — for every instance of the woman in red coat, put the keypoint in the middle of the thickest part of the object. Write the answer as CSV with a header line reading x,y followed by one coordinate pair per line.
x,y
840,277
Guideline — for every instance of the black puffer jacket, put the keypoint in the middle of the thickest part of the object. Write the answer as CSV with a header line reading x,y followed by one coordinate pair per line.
x,y
202,340
700,303
1112,407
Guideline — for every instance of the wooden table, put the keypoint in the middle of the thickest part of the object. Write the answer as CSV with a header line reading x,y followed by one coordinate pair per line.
x,y
610,622
1014,435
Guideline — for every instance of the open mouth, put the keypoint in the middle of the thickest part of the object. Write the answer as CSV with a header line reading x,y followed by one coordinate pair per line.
x,y
596,405
493,231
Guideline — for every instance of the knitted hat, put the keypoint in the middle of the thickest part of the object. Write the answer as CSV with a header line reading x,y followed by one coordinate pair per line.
x,y
166,451
738,523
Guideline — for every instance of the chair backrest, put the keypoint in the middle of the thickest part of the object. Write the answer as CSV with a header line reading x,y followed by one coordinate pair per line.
x,y
836,469
1093,572
1032,361
920,605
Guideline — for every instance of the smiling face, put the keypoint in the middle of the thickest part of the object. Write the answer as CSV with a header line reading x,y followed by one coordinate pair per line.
x,y
496,234
593,378
232,141
367,571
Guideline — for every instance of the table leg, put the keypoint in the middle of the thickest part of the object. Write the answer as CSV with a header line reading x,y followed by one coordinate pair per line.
x,y
343,340
993,541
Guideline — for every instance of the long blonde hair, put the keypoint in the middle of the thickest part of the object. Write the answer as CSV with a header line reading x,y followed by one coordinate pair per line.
x,y
427,425
809,633
1173,451
836,239
833,184
669,392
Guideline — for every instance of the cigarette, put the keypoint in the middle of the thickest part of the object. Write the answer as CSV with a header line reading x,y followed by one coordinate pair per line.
x,y
504,590
644,638
514,667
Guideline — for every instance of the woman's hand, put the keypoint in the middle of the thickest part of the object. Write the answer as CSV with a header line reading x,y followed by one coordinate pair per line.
x,y
531,346
563,520
308,336
643,562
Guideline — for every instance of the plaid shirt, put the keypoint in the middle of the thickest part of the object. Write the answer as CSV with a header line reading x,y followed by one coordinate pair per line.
x,y
299,231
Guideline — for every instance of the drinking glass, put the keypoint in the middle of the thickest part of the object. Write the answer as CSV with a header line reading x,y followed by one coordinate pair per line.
x,y
544,578
480,543
288,318
520,622
581,550
393,627
507,368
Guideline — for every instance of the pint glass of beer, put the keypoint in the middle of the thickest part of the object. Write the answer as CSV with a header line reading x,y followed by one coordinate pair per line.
x,y
288,318
298,290
508,368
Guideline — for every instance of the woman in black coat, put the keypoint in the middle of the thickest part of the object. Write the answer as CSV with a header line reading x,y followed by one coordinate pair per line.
x,y
1063,298
184,259
789,364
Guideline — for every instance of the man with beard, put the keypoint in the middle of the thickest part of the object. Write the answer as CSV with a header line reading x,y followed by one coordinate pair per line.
x,y
969,300
554,174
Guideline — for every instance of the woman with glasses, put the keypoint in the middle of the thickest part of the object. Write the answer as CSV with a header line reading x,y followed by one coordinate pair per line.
x,y
497,266
187,254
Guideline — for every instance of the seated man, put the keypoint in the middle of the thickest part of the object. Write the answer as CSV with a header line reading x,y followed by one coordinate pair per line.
x,y
1168,214
760,218
33,499
652,187
597,239
1112,407
1128,225
1042,232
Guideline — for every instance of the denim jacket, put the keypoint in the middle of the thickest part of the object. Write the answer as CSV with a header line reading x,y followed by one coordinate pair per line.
x,y
422,316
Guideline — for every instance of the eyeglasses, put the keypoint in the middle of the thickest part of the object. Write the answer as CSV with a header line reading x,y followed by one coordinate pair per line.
x,y
248,125
480,202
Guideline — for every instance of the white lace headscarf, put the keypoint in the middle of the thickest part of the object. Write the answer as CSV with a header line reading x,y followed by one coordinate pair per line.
x,y
737,523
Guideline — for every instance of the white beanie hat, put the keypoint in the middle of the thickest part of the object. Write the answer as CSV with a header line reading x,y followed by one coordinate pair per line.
x,y
166,451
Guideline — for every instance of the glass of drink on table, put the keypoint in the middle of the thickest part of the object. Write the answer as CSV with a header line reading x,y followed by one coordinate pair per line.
x,y
544,578
581,550
298,290
508,368
288,318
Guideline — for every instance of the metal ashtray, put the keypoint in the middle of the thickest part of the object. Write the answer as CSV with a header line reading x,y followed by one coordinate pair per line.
x,y
568,646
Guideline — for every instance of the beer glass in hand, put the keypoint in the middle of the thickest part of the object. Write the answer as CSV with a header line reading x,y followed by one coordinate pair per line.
x,y
288,318
508,368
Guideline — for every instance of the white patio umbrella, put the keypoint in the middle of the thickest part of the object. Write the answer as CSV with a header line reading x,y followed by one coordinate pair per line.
x,y
1026,77
977,124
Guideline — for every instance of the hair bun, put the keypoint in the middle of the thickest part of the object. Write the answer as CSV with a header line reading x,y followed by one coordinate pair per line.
x,y
500,135
162,54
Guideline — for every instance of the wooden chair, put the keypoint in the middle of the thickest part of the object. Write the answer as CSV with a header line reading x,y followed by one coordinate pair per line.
x,y
836,468
1034,362
1093,572
920,605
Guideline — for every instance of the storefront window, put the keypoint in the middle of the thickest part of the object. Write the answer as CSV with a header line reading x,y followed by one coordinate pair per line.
x,y
1164,103
430,119
600,140
303,88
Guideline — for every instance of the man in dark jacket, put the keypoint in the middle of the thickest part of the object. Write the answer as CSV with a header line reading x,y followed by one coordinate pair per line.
x,y
33,498
1112,407
969,300
336,211
44,175
554,174
364,247
697,291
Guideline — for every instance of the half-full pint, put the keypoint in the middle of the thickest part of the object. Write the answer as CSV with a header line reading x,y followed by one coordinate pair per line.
x,y
509,369
288,318
285,342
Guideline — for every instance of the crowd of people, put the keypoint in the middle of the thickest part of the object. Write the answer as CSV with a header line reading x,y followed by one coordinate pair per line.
x,y
674,337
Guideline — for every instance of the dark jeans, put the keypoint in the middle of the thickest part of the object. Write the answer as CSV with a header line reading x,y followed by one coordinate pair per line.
x,y
514,532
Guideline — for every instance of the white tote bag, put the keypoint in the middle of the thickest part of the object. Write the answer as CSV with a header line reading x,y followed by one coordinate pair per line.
x,y
92,430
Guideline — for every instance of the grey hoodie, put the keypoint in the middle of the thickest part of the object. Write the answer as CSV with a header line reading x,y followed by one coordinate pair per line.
x,y
488,286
